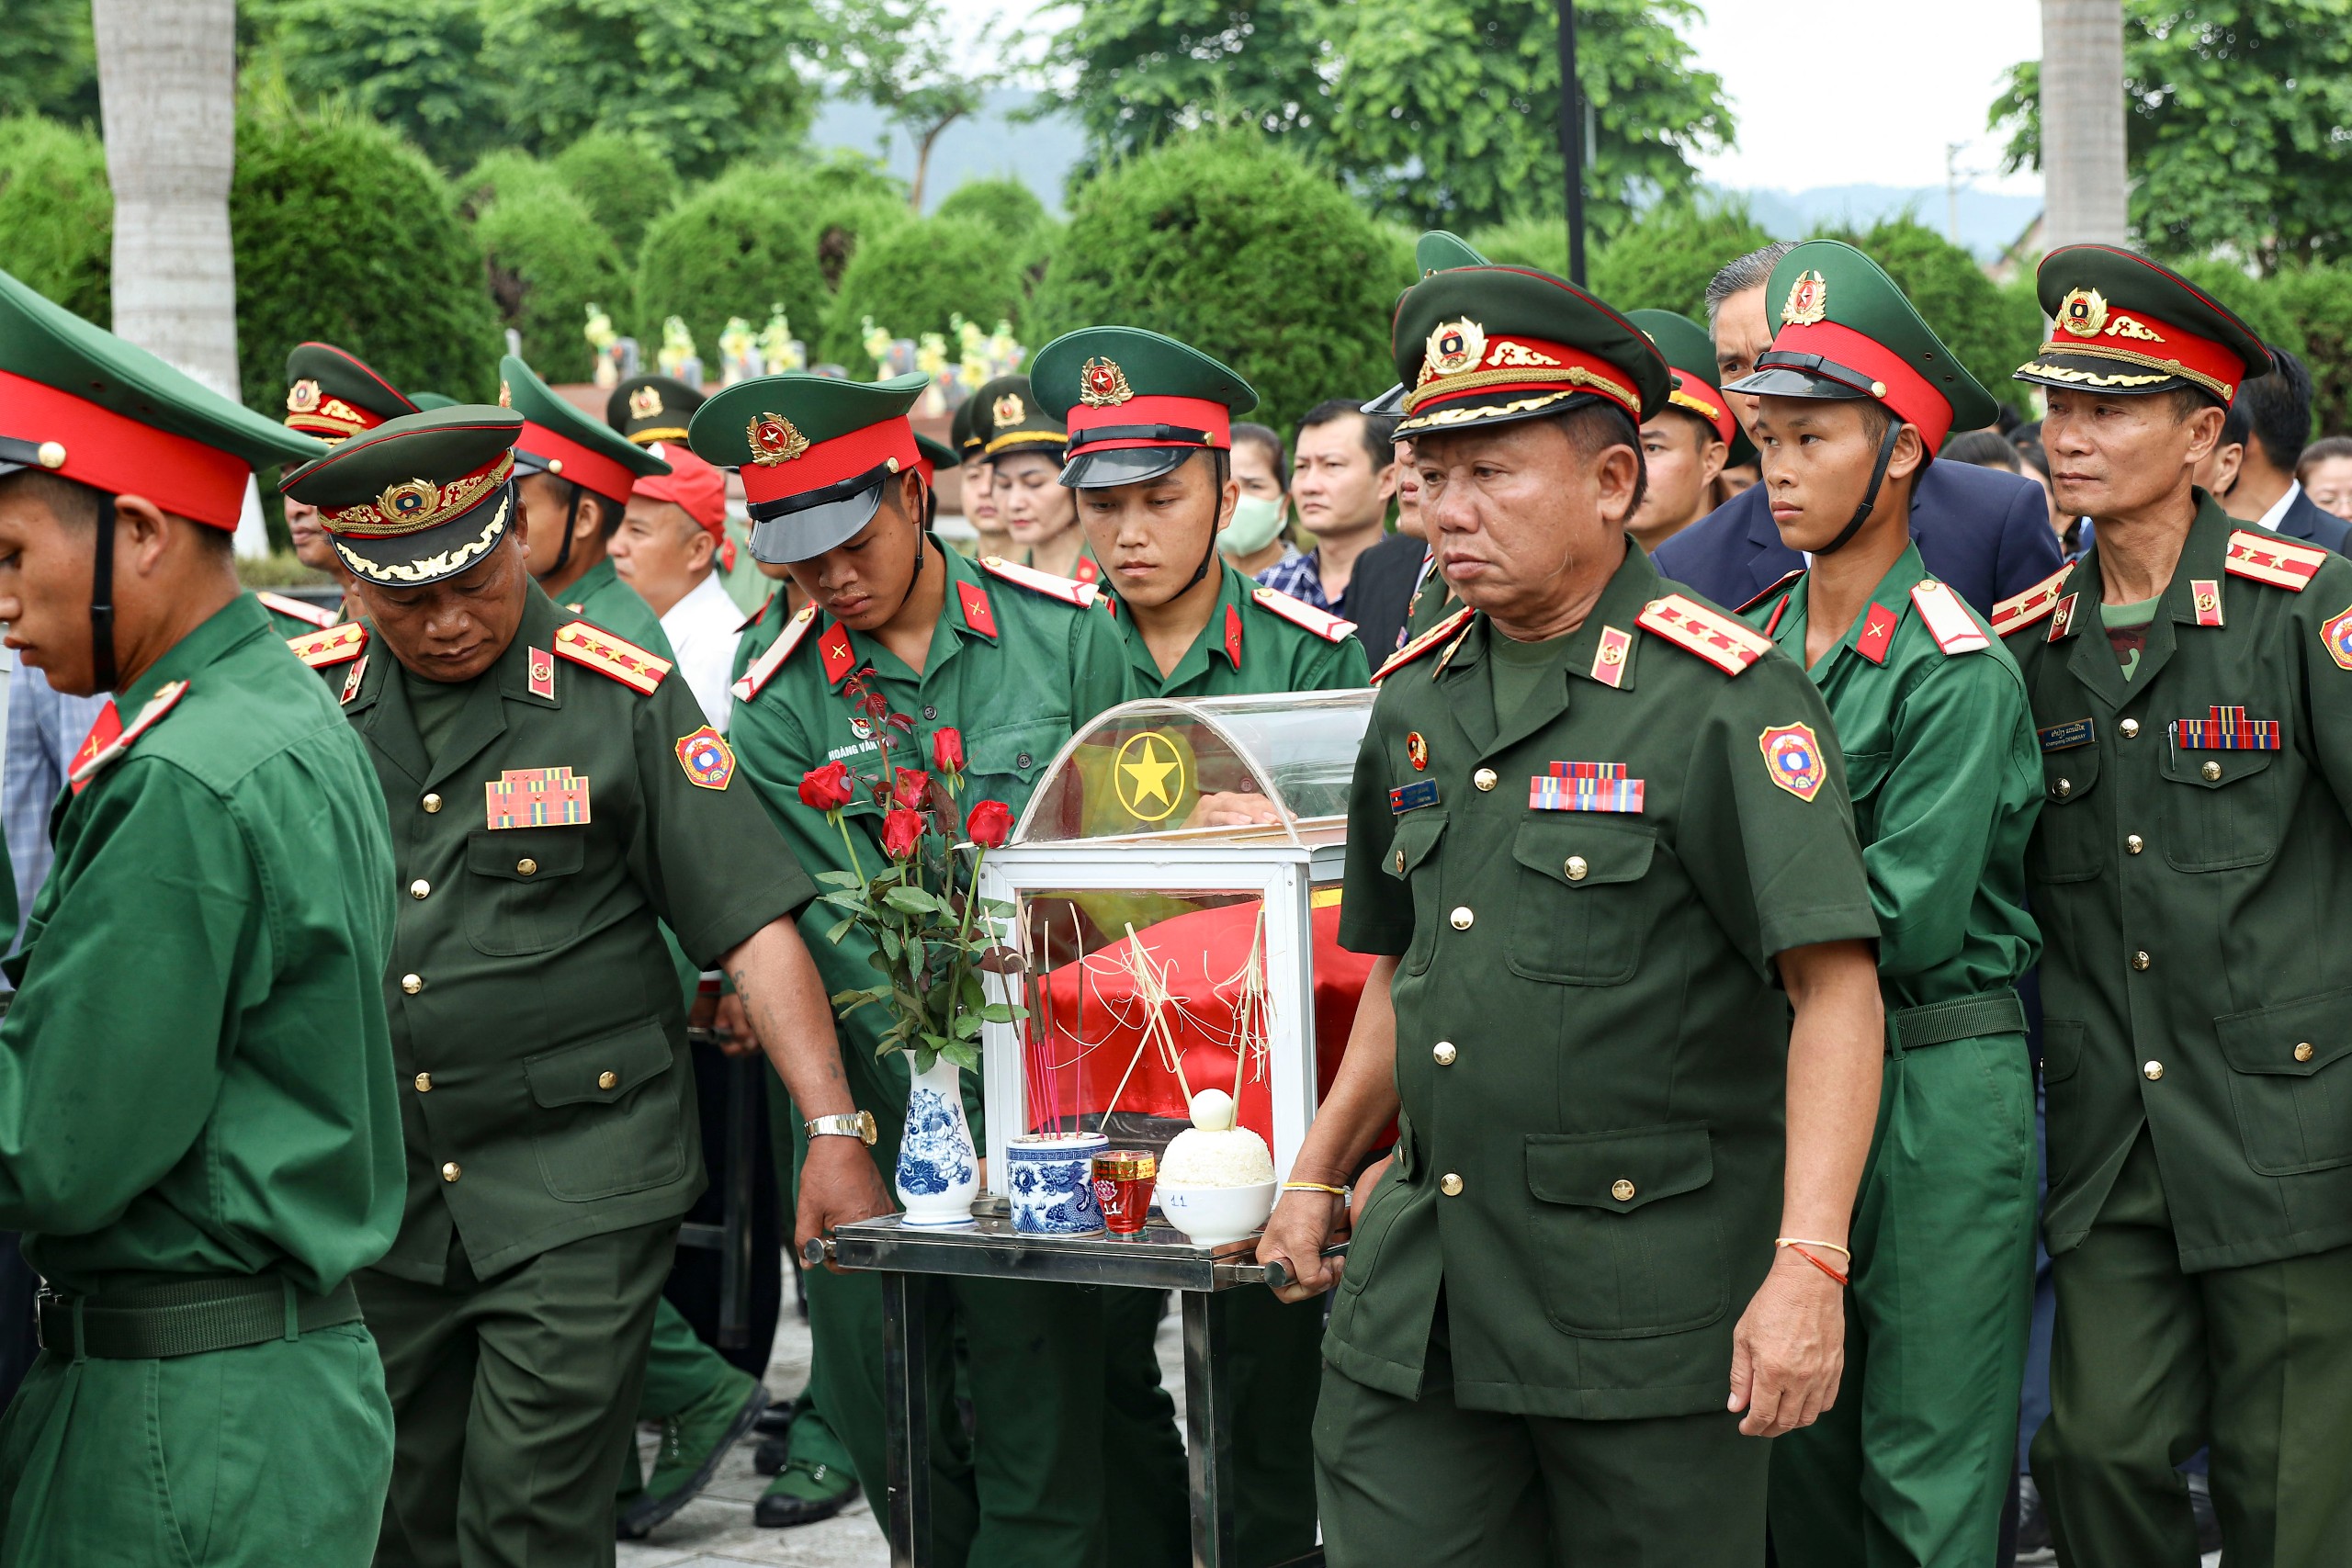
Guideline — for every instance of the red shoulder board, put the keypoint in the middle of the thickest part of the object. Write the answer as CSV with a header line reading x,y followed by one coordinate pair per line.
x,y
337,644
1947,619
1068,590
585,643
973,598
1786,578
1087,570
294,607
2021,610
1730,646
1323,624
768,663
2266,558
1232,634
110,738
1423,643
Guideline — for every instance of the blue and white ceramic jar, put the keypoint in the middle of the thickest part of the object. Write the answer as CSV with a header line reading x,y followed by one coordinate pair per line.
x,y
938,1172
1051,1183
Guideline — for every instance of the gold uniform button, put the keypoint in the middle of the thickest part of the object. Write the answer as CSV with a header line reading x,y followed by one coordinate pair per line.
x,y
2303,1052
2151,1071
526,866
1400,863
2134,843
1577,868
2141,960
50,454
450,1172
1622,1190
2212,772
607,1080
2131,726
412,984
1462,917
1484,778
431,803
2062,788
1450,1184
1443,1053
425,1083
419,888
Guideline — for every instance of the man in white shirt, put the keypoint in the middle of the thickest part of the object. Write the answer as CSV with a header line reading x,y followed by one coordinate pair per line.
x,y
670,546
2269,421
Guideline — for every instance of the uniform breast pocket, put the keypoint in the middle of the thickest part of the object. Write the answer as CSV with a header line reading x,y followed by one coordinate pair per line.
x,y
1580,915
1007,757
608,1119
2289,1083
1412,861
2069,842
517,882
2221,808
1627,1228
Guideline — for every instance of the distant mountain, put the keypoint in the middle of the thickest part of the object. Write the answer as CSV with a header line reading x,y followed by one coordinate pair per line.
x,y
1989,222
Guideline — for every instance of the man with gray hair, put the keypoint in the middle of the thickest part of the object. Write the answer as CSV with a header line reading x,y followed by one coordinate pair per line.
x,y
1984,532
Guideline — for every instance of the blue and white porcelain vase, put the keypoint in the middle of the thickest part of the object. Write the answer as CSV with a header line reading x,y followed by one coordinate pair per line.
x,y
939,1173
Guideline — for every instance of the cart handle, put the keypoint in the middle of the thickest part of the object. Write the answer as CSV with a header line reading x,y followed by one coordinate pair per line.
x,y
1278,1275
820,1249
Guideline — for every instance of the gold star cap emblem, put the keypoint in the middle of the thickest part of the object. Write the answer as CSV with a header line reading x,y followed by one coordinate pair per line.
x,y
505,395
2083,313
302,397
1101,384
1808,301
774,439
1143,766
1008,410
645,402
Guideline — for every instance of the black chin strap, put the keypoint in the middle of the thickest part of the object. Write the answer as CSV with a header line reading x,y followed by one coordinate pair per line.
x,y
1870,497
102,667
1201,571
563,551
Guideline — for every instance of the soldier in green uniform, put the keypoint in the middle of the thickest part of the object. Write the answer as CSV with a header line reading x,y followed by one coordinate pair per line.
x,y
1684,445
1149,424
1913,1463
198,1133
1024,446
1013,658
552,795
1563,1319
334,396
2192,679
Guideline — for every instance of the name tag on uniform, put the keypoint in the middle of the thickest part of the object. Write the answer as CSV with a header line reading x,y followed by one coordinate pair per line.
x,y
2067,736
1412,796
2228,730
536,797
1585,786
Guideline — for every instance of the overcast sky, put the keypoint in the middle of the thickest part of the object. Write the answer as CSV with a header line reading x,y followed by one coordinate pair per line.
x,y
1884,85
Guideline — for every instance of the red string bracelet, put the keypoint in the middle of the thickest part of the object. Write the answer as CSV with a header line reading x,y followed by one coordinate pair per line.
x,y
1802,1252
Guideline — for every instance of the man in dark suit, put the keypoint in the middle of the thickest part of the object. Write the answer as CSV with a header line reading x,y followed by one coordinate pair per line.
x,y
1984,532
2269,421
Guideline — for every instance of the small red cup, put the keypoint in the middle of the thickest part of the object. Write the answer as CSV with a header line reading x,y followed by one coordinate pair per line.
x,y
1122,1180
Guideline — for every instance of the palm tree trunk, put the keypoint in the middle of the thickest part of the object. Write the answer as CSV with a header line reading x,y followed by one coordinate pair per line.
x,y
2084,187
167,90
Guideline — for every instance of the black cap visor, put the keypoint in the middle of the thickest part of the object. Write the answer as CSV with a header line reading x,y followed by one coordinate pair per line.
x,y
1800,376
2083,372
800,527
1390,405
1124,465
1477,410
430,555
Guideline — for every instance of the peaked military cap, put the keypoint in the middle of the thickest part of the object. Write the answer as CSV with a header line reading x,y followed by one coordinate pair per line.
x,y
333,395
419,498
1846,331
1008,417
1488,345
2123,323
1435,251
814,451
647,409
78,402
934,456
425,400
560,441
1137,404
1690,360
960,433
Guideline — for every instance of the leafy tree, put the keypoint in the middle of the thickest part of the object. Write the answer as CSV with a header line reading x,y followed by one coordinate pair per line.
x,y
1666,258
1235,244
548,261
57,214
1991,330
2262,307
900,56
626,183
50,64
414,64
912,278
705,82
732,249
1141,70
1005,205
2319,300
508,171
2234,138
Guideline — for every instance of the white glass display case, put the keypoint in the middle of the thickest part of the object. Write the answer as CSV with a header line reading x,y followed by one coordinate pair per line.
x,y
1175,883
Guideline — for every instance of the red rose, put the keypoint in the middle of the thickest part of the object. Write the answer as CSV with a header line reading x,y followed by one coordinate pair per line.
x,y
901,831
911,785
827,788
948,750
990,824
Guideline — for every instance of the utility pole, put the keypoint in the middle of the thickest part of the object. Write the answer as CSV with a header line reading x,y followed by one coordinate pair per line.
x,y
1572,141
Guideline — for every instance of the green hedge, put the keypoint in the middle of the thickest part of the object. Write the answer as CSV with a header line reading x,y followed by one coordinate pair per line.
x,y
1992,330
2319,300
728,250
1006,206
912,278
1235,245
57,214
506,172
548,259
626,183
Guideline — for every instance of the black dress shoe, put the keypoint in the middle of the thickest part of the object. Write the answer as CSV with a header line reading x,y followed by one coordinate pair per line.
x,y
776,1420
803,1495
772,1455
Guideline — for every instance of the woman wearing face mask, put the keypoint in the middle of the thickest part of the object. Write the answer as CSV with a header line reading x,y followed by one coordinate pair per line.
x,y
1024,449
1259,535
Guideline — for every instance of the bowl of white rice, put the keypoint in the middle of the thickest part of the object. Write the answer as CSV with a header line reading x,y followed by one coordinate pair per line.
x,y
1216,1180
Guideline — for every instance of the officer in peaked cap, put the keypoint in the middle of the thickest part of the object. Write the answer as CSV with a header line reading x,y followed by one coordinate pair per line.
x,y
1915,1461
556,797
1024,446
1686,444
2192,679
332,395
1431,601
650,409
199,1154
1014,659
1592,822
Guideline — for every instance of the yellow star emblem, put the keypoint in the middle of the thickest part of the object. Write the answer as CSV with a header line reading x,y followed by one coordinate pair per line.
x,y
1144,764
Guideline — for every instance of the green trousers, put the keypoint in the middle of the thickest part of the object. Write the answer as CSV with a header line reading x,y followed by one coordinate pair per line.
x,y
1427,1483
1910,1467
2149,1364
513,1398
679,1371
269,1455
1274,1368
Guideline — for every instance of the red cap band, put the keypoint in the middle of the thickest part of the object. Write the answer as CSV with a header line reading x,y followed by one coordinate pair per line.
x,y
583,466
117,453
2135,337
1696,397
692,485
830,462
1500,367
1185,414
1912,396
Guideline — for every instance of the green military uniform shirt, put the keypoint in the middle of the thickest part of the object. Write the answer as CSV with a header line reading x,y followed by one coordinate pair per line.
x,y
1940,766
538,1027
1256,641
2193,842
195,1077
1590,1050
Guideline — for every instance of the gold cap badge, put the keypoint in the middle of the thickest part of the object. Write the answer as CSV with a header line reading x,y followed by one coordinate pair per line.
x,y
302,397
1101,384
775,440
1008,410
505,395
1453,347
645,402
1808,301
2083,313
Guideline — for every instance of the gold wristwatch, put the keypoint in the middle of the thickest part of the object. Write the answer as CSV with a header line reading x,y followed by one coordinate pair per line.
x,y
859,1125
